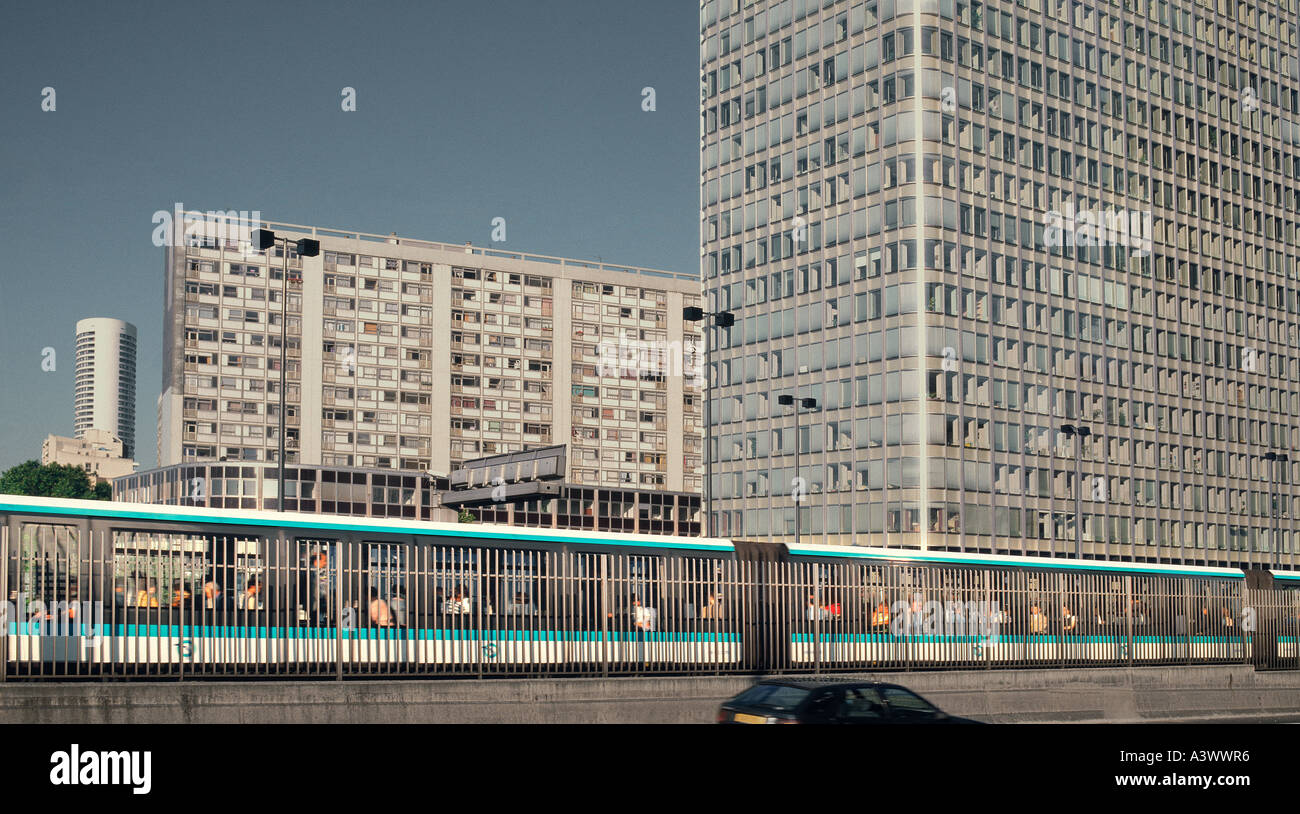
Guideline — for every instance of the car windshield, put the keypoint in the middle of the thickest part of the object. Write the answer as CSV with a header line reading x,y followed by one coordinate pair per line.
x,y
771,696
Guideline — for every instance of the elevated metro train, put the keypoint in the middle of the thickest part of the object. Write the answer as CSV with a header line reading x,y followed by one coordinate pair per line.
x,y
131,590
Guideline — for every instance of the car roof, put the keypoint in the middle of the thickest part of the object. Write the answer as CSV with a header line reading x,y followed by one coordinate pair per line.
x,y
826,683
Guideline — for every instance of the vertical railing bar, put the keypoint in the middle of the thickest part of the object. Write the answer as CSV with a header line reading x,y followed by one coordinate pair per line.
x,y
604,612
4,597
1128,608
334,564
179,600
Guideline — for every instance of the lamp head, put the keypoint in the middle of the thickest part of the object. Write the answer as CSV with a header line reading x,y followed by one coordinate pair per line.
x,y
263,239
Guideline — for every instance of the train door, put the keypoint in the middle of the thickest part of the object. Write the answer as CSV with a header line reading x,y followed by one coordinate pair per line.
x,y
306,582
701,599
382,610
764,571
1072,621
635,610
44,577
510,589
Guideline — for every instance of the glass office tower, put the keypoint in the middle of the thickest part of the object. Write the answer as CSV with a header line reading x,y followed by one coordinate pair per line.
x,y
1035,261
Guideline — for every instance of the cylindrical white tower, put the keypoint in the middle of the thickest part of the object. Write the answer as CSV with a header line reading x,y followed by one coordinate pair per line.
x,y
105,382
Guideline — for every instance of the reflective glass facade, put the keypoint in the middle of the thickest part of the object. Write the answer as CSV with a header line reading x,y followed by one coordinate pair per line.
x,y
967,229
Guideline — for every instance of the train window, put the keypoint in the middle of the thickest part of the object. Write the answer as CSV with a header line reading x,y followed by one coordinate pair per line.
x,y
249,580
635,588
516,581
455,580
826,602
702,587
583,596
44,558
318,565
156,569
387,568
48,562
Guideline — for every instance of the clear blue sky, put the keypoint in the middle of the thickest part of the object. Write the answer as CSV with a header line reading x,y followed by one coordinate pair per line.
x,y
466,111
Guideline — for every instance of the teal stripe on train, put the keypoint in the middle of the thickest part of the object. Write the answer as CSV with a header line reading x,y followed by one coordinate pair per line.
x,y
367,634
452,635
1095,566
877,638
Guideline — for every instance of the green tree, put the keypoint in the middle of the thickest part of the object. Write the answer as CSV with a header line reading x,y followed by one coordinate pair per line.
x,y
52,480
466,516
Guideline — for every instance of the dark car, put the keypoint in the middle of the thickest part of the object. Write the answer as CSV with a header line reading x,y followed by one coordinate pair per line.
x,y
820,702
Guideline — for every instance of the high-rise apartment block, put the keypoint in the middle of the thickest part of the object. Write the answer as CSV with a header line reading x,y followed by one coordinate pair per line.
x,y
1035,261
105,380
409,354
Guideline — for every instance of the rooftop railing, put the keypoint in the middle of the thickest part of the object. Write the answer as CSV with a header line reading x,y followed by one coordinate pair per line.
x,y
470,249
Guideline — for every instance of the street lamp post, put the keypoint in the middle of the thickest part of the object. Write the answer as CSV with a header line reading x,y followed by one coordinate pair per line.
x,y
807,403
1272,458
721,319
1069,431
264,239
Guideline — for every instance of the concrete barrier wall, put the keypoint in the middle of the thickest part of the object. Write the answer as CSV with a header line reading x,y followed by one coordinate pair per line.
x,y
1114,695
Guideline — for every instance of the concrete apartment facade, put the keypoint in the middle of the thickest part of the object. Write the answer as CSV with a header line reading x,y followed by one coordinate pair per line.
x,y
970,229
416,355
104,396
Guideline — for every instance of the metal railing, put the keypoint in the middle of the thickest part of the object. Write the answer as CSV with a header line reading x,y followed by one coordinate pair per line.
x,y
157,604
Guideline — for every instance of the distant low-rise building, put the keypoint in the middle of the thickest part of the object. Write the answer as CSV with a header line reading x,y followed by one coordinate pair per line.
x,y
99,452
348,491
528,489
409,494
